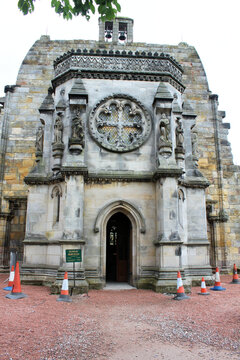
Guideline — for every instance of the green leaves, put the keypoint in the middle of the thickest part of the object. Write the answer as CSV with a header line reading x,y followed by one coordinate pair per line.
x,y
107,9
63,7
26,6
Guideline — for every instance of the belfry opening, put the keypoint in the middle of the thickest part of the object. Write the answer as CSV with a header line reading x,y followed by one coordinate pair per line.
x,y
118,248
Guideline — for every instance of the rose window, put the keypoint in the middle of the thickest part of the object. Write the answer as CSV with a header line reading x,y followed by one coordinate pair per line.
x,y
120,124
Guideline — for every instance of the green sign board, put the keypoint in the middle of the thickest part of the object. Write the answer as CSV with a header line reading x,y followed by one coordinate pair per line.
x,y
74,255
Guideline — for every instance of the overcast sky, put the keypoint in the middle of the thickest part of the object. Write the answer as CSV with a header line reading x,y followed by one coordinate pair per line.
x,y
212,26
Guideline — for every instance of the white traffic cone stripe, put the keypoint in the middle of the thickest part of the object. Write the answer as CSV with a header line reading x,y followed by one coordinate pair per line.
x,y
203,285
11,277
65,284
179,283
217,277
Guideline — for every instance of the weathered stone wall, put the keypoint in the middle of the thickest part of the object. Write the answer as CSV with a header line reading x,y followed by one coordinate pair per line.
x,y
21,119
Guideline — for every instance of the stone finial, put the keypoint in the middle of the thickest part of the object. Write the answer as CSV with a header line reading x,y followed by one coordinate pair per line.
x,y
48,102
175,106
163,93
78,92
188,110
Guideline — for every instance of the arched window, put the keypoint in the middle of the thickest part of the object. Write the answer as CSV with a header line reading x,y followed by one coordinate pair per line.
x,y
181,199
56,195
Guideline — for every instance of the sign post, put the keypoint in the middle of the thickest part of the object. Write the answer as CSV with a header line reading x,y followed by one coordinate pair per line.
x,y
74,255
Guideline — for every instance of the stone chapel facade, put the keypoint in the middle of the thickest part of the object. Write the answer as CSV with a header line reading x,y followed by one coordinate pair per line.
x,y
118,149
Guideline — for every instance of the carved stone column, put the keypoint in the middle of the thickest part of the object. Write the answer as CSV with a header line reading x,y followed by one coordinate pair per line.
x,y
168,243
73,237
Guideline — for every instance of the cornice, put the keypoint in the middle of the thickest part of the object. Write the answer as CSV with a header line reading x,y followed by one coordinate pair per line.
x,y
117,53
118,65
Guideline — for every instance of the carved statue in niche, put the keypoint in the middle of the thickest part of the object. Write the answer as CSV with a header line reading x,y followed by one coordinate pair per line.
x,y
77,128
39,139
179,133
194,140
58,129
76,142
164,129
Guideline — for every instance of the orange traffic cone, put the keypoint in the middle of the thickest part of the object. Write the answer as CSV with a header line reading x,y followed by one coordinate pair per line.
x,y
235,279
180,289
203,288
10,280
217,285
16,292
64,296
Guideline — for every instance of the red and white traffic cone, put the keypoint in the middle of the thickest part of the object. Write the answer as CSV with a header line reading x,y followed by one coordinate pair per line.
x,y
10,280
64,296
203,288
16,292
235,279
217,285
180,289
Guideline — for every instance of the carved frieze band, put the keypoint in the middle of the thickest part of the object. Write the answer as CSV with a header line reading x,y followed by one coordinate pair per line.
x,y
123,64
137,76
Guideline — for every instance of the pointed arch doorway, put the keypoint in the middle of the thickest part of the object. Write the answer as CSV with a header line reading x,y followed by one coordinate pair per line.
x,y
118,248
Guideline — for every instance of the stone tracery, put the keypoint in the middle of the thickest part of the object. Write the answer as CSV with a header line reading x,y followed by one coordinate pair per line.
x,y
120,124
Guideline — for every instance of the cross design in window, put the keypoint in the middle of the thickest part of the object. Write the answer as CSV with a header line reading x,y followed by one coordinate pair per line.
x,y
119,124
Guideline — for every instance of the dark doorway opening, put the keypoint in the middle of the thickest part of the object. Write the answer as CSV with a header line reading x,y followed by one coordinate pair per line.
x,y
118,267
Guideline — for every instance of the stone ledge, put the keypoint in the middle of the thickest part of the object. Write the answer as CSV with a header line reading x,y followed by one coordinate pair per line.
x,y
167,172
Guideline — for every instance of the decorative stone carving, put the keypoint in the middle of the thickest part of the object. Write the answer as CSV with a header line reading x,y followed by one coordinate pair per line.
x,y
58,129
39,142
120,123
77,128
57,190
179,133
103,64
175,105
164,127
76,142
135,64
181,199
165,144
179,150
194,141
57,145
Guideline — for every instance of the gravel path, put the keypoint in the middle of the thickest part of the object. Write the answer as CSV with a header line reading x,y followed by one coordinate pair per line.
x,y
120,325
